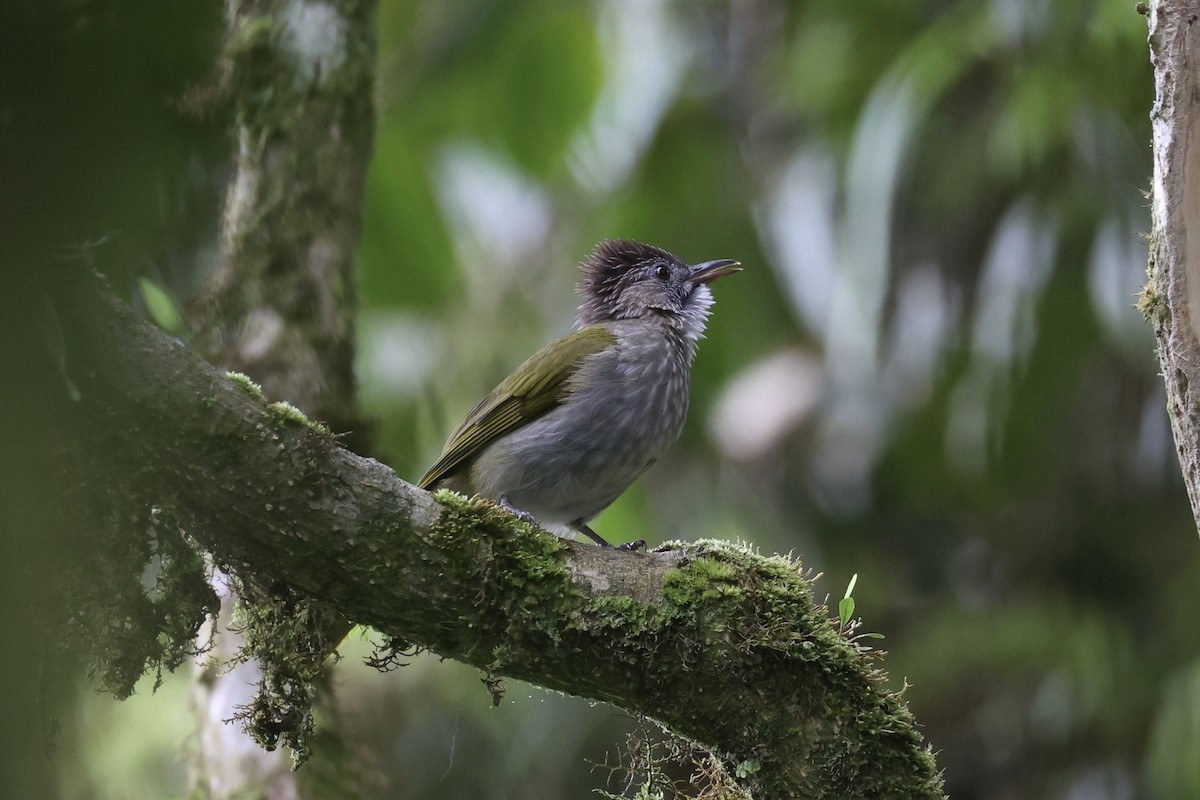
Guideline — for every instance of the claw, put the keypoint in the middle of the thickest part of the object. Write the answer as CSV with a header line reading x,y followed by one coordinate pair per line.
x,y
524,516
600,540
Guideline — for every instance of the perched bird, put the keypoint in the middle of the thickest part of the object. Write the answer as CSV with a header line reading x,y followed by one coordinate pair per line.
x,y
564,435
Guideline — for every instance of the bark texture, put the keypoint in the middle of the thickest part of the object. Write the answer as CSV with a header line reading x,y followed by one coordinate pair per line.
x,y
1171,299
281,305
281,308
722,645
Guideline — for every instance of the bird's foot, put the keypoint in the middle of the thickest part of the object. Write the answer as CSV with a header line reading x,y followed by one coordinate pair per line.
x,y
520,514
600,540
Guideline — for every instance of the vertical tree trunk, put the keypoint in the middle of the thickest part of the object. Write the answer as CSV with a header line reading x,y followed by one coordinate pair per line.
x,y
280,306
1171,299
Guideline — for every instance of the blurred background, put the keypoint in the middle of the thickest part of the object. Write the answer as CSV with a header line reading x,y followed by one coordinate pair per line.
x,y
930,374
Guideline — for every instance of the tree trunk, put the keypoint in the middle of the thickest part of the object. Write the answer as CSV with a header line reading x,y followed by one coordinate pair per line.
x,y
280,308
1171,299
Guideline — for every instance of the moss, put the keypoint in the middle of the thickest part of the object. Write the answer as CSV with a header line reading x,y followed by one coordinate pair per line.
x,y
468,518
244,383
505,560
288,413
1150,300
620,613
137,594
756,615
735,625
291,638
700,580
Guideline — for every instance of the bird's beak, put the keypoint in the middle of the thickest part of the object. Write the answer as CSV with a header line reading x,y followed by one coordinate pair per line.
x,y
709,271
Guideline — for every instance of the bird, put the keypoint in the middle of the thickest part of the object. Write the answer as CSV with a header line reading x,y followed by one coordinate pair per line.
x,y
581,419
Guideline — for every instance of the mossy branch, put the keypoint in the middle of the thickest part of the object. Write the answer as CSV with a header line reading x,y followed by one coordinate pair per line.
x,y
724,646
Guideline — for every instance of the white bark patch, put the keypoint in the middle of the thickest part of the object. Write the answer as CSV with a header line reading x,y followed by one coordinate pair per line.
x,y
1190,227
259,335
324,264
314,34
243,190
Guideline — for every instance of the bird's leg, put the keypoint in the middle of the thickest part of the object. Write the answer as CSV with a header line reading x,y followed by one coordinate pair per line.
x,y
524,516
598,539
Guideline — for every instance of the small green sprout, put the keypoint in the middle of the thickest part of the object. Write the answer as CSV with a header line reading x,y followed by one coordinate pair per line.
x,y
846,606
849,626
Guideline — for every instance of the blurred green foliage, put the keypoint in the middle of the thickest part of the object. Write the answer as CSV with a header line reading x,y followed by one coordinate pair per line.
x,y
930,373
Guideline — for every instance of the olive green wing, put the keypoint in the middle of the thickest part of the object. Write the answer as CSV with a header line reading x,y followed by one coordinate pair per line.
x,y
534,388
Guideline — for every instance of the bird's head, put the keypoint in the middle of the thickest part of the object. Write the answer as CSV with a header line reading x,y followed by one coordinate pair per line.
x,y
631,280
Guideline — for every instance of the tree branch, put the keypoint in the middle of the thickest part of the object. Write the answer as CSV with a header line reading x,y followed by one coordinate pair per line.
x,y
722,645
1171,299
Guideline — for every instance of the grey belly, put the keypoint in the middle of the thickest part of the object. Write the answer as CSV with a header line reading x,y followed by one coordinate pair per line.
x,y
571,464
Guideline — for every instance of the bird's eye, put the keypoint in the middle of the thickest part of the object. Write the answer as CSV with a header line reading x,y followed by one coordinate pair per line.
x,y
662,272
